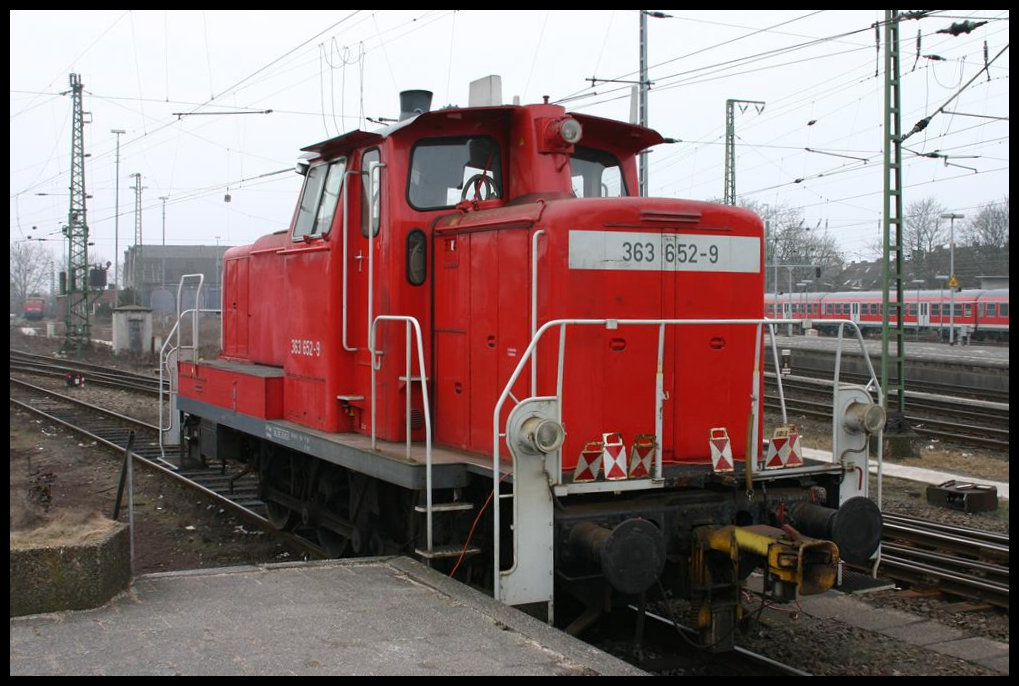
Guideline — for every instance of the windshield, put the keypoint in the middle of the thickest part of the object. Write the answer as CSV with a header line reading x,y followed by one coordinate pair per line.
x,y
596,174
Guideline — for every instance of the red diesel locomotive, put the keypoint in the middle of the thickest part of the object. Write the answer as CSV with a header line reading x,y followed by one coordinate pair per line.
x,y
476,343
34,308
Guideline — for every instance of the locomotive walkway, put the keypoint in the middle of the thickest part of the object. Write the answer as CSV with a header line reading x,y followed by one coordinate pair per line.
x,y
379,616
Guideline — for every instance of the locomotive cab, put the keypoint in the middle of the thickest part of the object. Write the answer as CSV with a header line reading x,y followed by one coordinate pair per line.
x,y
476,343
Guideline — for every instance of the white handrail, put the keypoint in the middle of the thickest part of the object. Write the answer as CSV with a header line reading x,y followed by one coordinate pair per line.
x,y
194,312
164,363
172,347
755,407
778,373
562,325
409,322
345,239
371,240
534,304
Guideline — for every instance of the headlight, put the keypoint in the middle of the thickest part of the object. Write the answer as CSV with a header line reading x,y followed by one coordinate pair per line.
x,y
542,435
571,131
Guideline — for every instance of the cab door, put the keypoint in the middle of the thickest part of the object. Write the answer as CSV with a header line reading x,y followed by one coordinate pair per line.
x,y
363,270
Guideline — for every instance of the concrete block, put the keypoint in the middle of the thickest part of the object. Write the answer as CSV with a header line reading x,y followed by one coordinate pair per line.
x,y
922,633
69,574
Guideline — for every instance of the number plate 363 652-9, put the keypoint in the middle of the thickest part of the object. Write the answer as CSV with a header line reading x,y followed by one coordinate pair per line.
x,y
645,251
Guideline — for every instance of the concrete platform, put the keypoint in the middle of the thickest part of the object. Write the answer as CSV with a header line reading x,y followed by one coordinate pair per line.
x,y
976,355
968,366
377,616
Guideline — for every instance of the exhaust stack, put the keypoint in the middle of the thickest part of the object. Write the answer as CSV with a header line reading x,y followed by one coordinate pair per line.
x,y
413,103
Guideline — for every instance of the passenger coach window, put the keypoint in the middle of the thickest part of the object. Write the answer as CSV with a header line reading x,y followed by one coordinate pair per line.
x,y
1004,309
443,172
596,174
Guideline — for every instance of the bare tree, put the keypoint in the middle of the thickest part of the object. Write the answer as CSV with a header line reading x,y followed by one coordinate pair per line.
x,y
794,251
989,228
30,271
924,232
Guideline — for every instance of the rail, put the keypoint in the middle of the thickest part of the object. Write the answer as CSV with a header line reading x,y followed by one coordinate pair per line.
x,y
409,323
656,480
235,489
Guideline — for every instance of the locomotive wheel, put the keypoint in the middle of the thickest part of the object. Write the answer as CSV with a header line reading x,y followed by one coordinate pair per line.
x,y
332,495
280,516
274,472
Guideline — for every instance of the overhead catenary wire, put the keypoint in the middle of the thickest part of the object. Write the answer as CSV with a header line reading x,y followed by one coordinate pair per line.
x,y
294,67
923,123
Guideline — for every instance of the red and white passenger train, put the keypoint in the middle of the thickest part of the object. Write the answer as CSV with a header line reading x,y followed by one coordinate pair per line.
x,y
979,314
476,343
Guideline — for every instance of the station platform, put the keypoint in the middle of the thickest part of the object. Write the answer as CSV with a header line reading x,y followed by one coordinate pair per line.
x,y
966,366
981,355
372,616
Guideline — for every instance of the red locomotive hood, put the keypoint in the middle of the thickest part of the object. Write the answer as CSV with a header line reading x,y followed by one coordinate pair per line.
x,y
562,209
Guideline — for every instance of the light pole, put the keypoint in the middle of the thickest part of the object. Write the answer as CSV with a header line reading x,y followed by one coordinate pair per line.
x,y
642,181
162,279
116,216
953,283
918,283
164,198
942,278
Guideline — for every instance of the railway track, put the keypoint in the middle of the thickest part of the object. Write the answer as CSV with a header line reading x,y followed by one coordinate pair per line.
x,y
668,648
964,562
93,373
975,423
740,661
228,485
928,387
236,490
962,421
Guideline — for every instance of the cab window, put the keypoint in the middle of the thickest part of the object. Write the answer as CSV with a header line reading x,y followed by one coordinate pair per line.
x,y
322,188
443,172
596,174
370,184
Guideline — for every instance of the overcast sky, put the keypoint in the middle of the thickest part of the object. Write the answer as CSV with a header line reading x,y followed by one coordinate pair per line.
x,y
321,72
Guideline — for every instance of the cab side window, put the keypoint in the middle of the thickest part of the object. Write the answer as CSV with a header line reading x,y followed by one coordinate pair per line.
x,y
370,183
322,187
445,171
